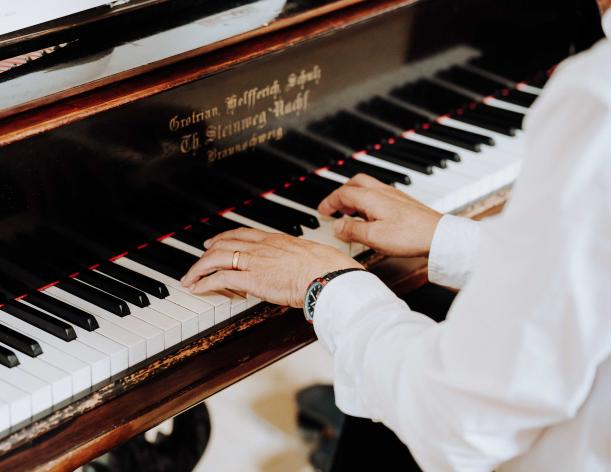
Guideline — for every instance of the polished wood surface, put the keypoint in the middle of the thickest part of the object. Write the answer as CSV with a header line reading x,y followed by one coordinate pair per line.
x,y
80,102
160,390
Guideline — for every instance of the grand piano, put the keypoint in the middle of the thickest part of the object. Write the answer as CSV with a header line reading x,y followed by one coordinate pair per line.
x,y
131,131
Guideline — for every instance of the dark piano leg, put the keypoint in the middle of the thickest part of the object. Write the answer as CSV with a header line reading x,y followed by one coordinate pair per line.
x,y
179,451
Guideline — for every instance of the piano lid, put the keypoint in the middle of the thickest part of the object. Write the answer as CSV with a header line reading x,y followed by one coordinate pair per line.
x,y
68,47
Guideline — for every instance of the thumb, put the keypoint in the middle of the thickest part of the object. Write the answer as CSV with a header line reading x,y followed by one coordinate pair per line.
x,y
348,229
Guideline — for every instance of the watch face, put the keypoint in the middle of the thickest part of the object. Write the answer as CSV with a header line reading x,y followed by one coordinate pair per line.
x,y
310,299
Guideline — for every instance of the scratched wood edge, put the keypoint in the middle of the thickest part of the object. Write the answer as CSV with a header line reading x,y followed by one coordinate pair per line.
x,y
90,448
219,56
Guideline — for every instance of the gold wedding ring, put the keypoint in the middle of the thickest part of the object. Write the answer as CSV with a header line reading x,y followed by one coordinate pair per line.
x,y
236,259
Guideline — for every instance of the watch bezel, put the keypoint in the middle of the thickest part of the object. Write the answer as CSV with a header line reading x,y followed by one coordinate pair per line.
x,y
312,297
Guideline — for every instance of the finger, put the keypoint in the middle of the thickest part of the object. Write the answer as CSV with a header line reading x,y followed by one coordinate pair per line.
x,y
365,181
352,230
234,245
212,261
243,234
225,279
346,199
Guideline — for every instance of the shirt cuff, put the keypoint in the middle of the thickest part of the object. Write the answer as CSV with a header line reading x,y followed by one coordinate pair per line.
x,y
453,251
344,300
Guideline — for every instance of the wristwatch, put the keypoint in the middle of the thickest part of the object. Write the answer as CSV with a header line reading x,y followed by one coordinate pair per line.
x,y
314,289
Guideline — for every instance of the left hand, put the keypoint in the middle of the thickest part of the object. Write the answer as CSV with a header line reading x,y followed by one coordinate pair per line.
x,y
274,267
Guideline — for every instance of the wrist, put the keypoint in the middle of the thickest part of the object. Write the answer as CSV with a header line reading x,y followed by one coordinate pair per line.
x,y
316,286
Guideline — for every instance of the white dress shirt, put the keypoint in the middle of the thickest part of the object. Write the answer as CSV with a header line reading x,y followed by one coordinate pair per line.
x,y
519,375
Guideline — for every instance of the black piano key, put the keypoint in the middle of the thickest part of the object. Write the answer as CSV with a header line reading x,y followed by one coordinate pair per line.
x,y
485,122
394,114
311,191
19,341
469,140
431,96
190,237
153,261
446,134
8,358
142,282
403,159
470,80
517,97
41,320
116,288
350,130
286,213
268,218
182,260
309,149
222,224
351,167
63,310
301,194
507,117
425,150
205,231
485,116
97,297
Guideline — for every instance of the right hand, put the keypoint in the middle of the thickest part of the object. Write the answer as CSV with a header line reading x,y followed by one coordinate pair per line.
x,y
395,224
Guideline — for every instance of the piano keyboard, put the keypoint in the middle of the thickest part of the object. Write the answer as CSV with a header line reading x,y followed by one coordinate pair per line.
x,y
88,325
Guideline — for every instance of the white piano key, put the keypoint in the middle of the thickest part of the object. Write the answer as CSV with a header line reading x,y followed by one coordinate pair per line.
x,y
19,401
168,326
445,196
236,305
61,354
58,380
506,144
495,166
188,320
136,344
153,336
175,243
218,305
41,397
522,87
505,105
116,354
325,234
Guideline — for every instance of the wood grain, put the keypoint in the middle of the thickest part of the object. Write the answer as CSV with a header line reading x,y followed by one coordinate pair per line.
x,y
81,102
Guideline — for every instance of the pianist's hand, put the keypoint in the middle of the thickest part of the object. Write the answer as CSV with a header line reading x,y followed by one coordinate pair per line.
x,y
274,267
395,224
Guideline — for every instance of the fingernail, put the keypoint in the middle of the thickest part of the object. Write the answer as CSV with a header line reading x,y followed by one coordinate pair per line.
x,y
207,243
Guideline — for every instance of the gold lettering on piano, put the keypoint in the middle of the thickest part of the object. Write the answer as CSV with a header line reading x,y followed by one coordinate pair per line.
x,y
249,98
189,143
177,123
303,78
255,139
249,117
299,104
221,131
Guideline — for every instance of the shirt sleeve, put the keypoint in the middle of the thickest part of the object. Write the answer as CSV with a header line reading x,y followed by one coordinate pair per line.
x,y
520,347
453,251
